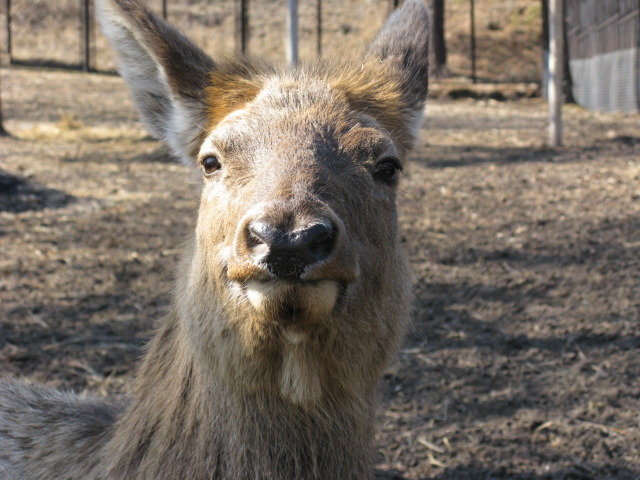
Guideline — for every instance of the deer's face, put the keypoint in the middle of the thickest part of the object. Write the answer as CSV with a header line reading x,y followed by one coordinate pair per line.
x,y
298,205
296,252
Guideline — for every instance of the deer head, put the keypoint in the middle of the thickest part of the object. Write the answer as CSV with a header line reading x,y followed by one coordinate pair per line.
x,y
295,282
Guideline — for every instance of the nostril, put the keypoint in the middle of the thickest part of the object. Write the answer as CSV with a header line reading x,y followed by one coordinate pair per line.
x,y
262,233
319,239
288,254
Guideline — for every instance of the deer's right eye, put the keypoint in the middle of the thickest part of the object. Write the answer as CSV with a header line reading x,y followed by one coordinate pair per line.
x,y
210,164
386,170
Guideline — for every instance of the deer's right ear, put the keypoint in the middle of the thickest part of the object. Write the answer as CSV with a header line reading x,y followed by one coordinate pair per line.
x,y
403,45
166,73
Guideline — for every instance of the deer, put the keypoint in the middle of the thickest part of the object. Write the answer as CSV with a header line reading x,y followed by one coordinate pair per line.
x,y
293,292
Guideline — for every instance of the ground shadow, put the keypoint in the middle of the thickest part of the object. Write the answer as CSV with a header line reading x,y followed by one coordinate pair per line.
x,y
17,194
577,472
469,155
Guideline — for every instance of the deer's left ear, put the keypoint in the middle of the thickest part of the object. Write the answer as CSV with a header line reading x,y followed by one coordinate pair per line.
x,y
166,73
403,45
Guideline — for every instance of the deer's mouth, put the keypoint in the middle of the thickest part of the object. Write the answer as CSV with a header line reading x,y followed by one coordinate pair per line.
x,y
293,301
308,299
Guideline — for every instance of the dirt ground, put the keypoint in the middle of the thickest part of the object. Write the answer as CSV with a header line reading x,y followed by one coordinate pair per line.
x,y
522,361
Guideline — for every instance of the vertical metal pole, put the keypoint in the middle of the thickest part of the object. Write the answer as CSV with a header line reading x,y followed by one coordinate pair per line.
x,y
242,31
292,32
9,46
164,9
474,77
86,40
319,29
556,51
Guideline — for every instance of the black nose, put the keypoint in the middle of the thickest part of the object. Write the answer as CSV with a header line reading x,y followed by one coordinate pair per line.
x,y
288,254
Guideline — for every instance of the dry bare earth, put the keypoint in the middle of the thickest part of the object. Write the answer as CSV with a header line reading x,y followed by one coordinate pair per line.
x,y
523,358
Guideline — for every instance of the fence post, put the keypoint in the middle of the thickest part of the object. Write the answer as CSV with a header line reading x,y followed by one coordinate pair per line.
x,y
241,26
474,77
292,32
319,27
9,47
3,131
545,48
86,36
556,50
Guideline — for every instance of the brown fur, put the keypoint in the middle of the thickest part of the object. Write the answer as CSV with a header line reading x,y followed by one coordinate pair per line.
x,y
268,364
372,89
232,85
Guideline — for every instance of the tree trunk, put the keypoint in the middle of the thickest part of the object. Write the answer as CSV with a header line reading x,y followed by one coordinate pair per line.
x,y
3,132
545,48
567,81
439,46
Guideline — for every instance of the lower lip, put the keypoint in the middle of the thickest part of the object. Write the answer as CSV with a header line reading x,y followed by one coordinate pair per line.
x,y
313,299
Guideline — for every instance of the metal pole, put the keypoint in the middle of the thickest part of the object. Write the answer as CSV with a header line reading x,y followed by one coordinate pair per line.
x,y
292,32
164,9
9,46
474,78
556,51
86,40
319,29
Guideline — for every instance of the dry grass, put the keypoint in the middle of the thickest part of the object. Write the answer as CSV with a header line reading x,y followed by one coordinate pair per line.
x,y
70,129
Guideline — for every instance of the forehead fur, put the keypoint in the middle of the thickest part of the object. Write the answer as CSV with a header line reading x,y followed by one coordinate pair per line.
x,y
368,88
232,85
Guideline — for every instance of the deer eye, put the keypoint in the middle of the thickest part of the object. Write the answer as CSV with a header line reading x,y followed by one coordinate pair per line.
x,y
210,164
386,170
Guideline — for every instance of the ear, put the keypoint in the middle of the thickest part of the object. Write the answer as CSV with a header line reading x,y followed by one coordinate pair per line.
x,y
166,73
403,46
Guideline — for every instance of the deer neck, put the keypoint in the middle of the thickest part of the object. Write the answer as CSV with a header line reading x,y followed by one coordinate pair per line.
x,y
186,422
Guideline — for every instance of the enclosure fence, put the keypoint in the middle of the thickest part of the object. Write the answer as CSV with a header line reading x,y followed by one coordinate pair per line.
x,y
63,33
603,37
604,53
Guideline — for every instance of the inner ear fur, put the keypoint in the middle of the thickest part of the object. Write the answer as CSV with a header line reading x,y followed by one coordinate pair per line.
x,y
184,64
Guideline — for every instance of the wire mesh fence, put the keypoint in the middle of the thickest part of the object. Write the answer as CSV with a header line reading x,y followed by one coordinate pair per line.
x,y
64,33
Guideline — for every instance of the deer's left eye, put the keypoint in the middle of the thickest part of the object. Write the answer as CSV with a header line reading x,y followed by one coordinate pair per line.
x,y
386,170
210,164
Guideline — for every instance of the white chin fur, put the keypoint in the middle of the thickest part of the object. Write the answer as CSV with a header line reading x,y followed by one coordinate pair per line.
x,y
314,299
300,380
